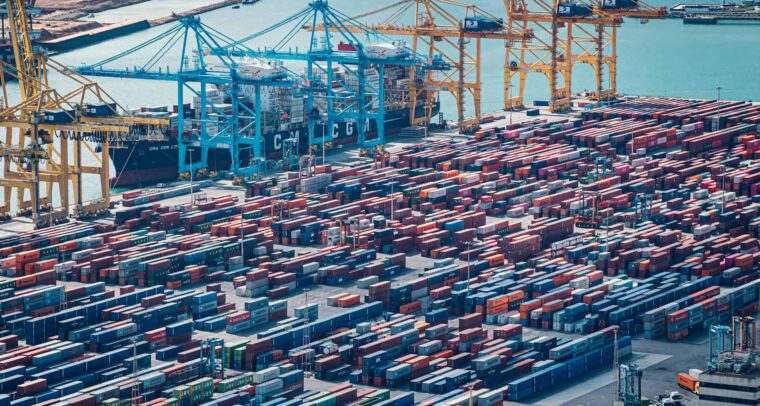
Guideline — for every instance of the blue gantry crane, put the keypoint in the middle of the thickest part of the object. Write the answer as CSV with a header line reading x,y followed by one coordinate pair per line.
x,y
194,55
733,348
629,386
602,165
330,99
212,358
643,207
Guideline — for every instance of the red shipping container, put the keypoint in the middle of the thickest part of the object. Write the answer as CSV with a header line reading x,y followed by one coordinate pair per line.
x,y
31,387
238,317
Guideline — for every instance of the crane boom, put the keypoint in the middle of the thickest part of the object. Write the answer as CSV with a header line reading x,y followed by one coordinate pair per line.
x,y
23,52
441,27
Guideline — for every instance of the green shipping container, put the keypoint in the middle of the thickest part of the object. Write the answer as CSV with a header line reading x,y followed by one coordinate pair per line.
x,y
181,392
111,402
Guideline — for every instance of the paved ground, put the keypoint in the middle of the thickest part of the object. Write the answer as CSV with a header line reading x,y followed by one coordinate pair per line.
x,y
16,226
661,360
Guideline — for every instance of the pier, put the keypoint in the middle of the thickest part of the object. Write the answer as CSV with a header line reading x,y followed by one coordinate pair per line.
x,y
110,31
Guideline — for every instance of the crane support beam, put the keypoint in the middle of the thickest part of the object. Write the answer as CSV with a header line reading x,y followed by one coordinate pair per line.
x,y
567,34
38,145
432,32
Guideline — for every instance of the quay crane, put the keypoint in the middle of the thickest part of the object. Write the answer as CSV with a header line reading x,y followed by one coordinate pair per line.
x,y
611,13
330,100
212,73
218,62
569,33
448,28
46,127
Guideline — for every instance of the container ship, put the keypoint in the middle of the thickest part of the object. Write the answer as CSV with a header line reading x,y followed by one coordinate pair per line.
x,y
283,115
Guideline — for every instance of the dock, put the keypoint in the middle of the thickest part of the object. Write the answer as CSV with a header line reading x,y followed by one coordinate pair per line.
x,y
196,11
111,31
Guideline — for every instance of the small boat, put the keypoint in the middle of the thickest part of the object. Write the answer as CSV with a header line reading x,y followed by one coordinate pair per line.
x,y
700,19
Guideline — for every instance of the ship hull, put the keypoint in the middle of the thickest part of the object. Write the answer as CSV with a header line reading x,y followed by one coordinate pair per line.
x,y
149,162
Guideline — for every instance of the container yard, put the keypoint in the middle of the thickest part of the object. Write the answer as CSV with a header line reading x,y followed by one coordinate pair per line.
x,y
512,265
538,255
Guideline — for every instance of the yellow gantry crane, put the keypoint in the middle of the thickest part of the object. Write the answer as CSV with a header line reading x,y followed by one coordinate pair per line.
x,y
568,33
550,53
454,30
48,135
548,37
611,13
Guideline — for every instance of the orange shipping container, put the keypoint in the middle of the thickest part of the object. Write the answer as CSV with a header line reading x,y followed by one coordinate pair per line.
x,y
688,382
442,354
24,281
495,260
497,301
425,227
516,295
28,256
348,301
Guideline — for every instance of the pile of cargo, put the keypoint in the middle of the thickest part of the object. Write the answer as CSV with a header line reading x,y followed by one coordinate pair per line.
x,y
256,313
436,358
699,311
139,197
104,351
168,384
509,218
20,305
273,344
344,395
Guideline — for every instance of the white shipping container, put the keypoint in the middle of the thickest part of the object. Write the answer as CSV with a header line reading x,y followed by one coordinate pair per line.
x,y
702,230
486,229
269,387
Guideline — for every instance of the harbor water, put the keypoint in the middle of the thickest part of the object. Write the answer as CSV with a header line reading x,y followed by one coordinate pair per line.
x,y
662,57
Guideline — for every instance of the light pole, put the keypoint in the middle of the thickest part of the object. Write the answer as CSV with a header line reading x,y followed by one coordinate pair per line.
x,y
324,131
192,192
607,237
723,198
427,126
468,244
511,106
392,201
135,390
242,250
